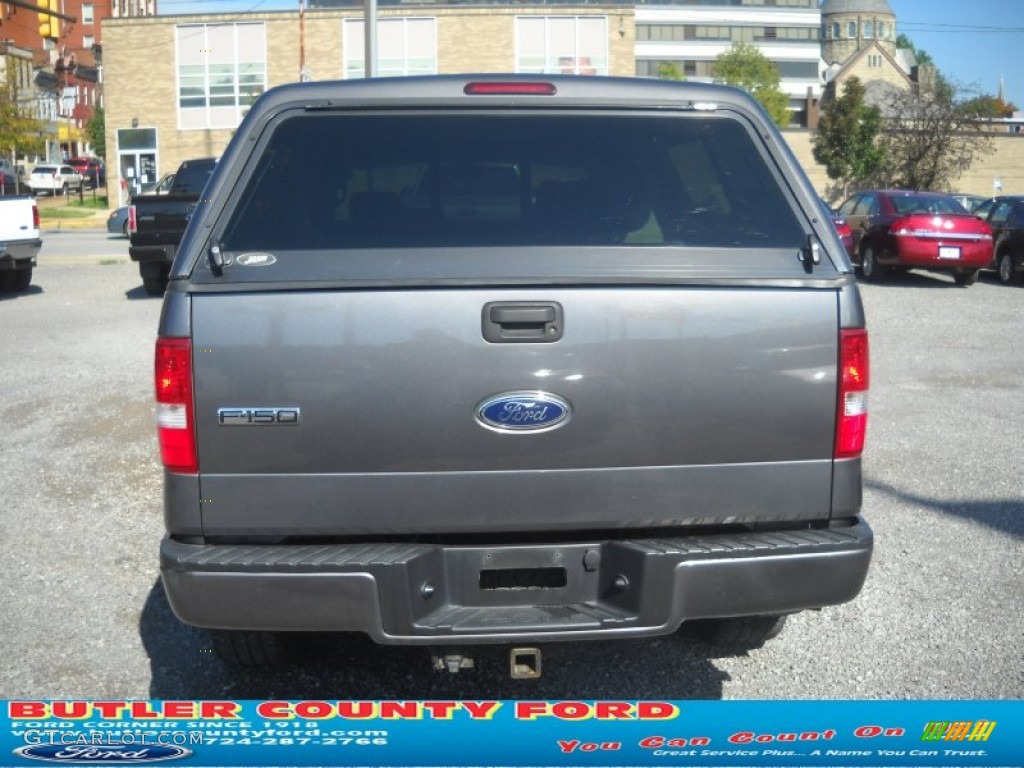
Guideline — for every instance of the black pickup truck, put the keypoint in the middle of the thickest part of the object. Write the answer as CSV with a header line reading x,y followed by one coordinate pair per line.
x,y
156,223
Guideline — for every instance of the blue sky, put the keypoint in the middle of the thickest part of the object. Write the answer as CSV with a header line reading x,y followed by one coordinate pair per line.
x,y
973,42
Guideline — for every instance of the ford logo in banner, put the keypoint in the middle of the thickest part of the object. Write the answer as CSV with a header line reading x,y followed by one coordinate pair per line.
x,y
523,412
106,754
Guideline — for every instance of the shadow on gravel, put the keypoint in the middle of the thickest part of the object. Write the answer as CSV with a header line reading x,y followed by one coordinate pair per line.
x,y
140,293
1006,515
899,279
353,667
32,290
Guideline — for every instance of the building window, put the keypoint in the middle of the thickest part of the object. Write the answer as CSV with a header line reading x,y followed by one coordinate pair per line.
x,y
874,61
570,45
87,13
404,47
869,30
851,30
835,30
882,30
88,41
222,70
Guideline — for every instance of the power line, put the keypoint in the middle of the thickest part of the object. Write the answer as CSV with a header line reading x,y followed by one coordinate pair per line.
x,y
924,26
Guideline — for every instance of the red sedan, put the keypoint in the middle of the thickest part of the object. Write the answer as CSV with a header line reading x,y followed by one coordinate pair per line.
x,y
923,230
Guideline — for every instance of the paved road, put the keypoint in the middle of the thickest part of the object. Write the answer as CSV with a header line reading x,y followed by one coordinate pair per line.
x,y
83,613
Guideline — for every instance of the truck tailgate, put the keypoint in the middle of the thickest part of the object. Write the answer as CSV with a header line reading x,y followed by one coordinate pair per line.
x,y
686,405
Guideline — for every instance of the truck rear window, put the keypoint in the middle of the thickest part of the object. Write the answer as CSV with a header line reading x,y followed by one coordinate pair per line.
x,y
337,181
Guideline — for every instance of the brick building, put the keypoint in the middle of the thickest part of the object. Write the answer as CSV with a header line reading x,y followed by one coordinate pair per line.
x,y
177,86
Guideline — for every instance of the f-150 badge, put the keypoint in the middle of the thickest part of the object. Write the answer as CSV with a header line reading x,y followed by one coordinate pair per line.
x,y
523,412
256,417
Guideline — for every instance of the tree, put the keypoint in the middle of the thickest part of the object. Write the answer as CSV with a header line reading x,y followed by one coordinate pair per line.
x,y
927,70
96,130
929,140
746,67
20,133
846,142
669,70
990,107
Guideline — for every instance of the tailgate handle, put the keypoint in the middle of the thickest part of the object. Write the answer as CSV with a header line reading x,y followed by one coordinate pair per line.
x,y
509,322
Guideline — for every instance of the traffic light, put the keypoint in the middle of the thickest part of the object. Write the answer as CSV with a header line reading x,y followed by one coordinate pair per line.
x,y
49,26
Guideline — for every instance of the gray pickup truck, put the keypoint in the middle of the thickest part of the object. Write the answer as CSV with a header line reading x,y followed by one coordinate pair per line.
x,y
503,360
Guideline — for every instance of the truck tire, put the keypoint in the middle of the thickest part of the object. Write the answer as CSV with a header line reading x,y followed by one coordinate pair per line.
x,y
22,279
743,633
154,278
243,648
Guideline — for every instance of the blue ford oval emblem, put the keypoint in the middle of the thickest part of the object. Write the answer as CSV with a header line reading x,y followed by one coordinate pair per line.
x,y
123,753
523,412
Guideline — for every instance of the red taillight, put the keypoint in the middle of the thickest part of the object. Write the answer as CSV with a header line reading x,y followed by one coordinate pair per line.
x,y
852,419
35,217
843,229
131,219
510,89
174,415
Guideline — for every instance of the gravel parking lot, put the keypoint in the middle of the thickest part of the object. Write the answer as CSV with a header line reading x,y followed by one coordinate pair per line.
x,y
84,614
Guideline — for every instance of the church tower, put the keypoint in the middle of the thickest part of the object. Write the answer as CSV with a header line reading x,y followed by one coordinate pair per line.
x,y
847,26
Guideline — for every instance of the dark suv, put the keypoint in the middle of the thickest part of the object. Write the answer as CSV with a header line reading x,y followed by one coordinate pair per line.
x,y
1006,217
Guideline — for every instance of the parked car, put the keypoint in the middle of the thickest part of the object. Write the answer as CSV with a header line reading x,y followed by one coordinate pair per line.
x,y
1006,218
916,230
117,221
92,170
968,201
842,226
981,210
9,185
55,179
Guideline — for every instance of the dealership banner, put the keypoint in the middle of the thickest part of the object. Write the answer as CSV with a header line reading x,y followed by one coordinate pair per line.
x,y
513,733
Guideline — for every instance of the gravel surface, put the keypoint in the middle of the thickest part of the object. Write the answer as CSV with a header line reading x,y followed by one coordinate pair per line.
x,y
82,613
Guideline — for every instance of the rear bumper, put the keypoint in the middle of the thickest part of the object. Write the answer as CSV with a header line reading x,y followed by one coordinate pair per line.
x,y
444,594
19,254
924,254
162,254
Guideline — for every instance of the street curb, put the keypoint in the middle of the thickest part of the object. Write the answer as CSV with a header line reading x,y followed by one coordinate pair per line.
x,y
91,222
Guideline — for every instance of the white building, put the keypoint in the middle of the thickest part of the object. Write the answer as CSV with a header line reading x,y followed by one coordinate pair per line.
x,y
692,33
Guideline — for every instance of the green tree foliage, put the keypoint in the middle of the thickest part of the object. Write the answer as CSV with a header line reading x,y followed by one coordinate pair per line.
x,y
669,70
846,142
746,67
928,70
930,140
20,133
990,107
96,130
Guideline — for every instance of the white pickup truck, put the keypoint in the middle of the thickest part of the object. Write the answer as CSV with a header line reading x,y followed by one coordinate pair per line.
x,y
19,242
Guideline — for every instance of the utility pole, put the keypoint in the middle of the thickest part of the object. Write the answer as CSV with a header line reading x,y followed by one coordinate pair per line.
x,y
370,22
304,74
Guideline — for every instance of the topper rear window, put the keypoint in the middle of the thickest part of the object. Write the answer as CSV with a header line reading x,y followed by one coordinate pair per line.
x,y
338,181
